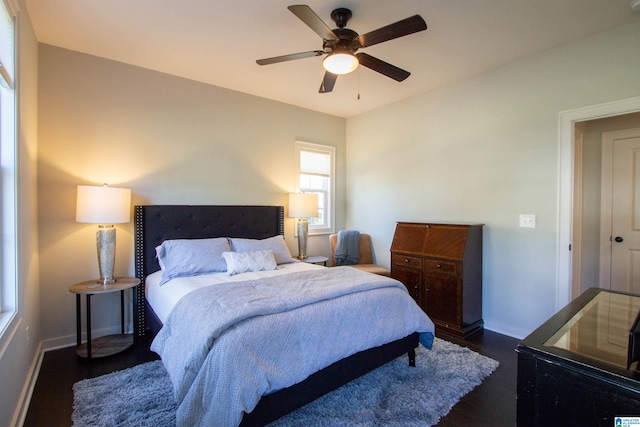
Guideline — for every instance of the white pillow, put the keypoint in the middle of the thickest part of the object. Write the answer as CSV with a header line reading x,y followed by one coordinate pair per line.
x,y
274,244
241,262
191,257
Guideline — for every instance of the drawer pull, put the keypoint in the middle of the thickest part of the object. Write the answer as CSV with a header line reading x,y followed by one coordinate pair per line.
x,y
439,265
407,260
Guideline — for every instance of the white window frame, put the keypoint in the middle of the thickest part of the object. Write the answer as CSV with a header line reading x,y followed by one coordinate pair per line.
x,y
8,177
329,198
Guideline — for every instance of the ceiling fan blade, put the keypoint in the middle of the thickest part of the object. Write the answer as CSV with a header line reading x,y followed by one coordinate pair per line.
x,y
402,28
382,67
328,81
290,57
313,21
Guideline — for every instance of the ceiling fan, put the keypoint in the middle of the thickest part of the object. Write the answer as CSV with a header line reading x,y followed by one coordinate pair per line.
x,y
341,44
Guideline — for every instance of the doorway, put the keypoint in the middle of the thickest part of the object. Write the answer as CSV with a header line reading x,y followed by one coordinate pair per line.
x,y
567,121
592,196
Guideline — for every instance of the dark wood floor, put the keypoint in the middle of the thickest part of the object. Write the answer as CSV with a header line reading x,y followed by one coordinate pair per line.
x,y
493,403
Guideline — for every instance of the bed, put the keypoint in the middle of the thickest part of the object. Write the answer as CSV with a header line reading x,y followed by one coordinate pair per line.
x,y
158,223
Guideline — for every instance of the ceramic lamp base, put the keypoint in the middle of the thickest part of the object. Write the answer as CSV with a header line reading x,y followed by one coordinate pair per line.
x,y
303,233
106,243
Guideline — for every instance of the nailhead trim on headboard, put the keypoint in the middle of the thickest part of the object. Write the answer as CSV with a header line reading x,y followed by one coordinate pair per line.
x,y
139,309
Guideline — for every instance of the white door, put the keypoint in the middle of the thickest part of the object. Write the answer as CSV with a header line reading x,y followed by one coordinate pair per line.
x,y
625,212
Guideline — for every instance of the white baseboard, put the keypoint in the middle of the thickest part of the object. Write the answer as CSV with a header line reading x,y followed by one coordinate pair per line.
x,y
58,343
506,329
69,340
27,391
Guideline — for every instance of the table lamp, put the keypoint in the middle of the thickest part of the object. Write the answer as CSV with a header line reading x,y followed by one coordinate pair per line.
x,y
303,206
104,206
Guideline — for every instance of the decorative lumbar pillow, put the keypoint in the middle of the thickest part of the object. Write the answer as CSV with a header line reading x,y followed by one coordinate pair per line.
x,y
275,244
242,262
191,257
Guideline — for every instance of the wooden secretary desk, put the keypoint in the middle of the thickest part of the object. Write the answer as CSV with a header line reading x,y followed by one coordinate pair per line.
x,y
441,266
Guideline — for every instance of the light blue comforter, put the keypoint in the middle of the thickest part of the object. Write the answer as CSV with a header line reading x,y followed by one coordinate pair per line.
x,y
227,345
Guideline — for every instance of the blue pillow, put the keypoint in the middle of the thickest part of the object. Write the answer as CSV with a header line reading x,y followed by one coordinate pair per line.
x,y
191,257
274,244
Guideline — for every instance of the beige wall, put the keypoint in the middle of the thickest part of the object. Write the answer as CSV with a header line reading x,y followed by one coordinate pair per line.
x,y
171,140
19,349
486,150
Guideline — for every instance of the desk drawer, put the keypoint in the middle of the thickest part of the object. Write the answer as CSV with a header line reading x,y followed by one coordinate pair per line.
x,y
406,261
440,266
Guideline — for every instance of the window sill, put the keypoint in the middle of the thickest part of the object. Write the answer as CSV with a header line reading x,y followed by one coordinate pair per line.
x,y
320,232
8,326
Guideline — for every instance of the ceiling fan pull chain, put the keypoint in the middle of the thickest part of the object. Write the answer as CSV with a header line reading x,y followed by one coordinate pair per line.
x,y
358,83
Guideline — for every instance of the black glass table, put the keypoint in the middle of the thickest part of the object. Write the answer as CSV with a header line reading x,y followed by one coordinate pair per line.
x,y
574,369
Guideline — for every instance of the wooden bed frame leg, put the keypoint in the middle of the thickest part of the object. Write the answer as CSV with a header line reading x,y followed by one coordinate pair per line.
x,y
412,358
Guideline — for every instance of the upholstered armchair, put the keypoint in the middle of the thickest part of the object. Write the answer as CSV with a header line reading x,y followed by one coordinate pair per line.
x,y
366,255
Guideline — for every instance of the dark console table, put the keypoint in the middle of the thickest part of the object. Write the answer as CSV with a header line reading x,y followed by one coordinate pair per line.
x,y
572,370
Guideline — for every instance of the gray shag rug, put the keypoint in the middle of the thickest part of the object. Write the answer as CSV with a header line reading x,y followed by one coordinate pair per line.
x,y
392,395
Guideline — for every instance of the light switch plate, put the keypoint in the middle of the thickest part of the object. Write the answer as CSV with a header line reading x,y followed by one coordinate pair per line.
x,y
527,221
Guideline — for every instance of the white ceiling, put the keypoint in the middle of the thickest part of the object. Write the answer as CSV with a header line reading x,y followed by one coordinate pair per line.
x,y
218,41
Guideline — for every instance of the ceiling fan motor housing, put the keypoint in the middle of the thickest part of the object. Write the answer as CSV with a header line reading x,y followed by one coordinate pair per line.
x,y
347,41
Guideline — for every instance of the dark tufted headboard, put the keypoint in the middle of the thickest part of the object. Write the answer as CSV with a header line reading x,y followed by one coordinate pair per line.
x,y
157,223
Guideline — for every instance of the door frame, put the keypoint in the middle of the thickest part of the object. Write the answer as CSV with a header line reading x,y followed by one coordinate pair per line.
x,y
566,123
576,245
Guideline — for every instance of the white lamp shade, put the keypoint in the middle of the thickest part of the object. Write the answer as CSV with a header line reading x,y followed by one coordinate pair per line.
x,y
103,205
303,205
340,63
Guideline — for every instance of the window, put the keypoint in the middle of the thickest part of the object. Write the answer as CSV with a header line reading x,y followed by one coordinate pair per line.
x,y
8,204
316,170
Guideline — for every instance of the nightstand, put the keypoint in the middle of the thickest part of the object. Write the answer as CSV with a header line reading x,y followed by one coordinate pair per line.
x,y
110,344
316,260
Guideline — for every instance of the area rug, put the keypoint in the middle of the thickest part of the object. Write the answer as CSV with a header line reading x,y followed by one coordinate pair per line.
x,y
392,395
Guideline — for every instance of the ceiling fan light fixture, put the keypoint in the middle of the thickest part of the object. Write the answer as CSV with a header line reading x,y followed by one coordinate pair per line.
x,y
340,63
